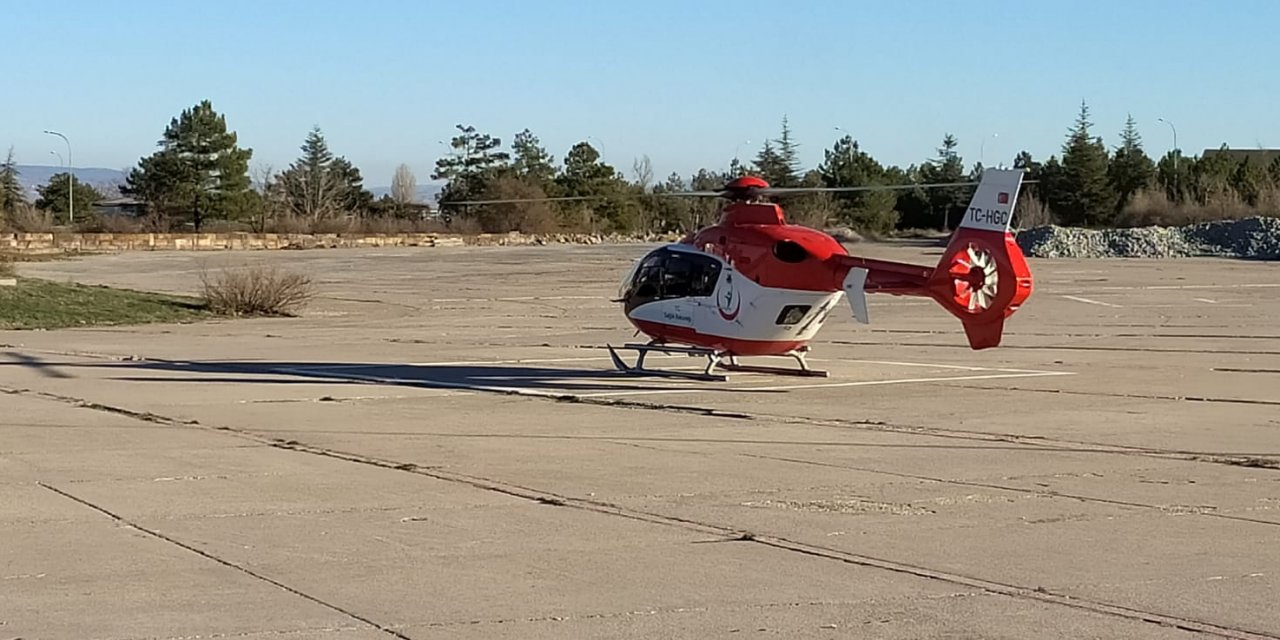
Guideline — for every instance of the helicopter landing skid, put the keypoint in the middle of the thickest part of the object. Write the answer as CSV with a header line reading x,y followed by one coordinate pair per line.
x,y
715,359
731,364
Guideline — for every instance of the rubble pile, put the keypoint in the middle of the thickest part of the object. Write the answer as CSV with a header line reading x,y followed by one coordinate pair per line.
x,y
1255,238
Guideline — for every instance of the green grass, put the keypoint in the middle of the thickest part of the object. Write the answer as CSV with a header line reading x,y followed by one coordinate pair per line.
x,y
43,304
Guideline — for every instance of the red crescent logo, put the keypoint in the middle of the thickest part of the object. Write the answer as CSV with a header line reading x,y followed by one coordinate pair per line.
x,y
727,302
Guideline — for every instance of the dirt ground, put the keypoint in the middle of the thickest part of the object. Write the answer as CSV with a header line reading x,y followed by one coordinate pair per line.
x,y
439,448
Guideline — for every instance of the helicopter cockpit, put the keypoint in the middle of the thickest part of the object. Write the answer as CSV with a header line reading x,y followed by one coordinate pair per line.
x,y
667,273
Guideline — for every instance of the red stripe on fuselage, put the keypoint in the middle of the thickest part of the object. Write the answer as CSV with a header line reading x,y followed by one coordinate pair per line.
x,y
686,335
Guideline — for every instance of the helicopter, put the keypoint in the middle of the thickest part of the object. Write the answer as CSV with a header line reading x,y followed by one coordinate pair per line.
x,y
753,284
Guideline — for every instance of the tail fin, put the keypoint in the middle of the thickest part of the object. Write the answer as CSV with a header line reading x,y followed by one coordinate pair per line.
x,y
983,277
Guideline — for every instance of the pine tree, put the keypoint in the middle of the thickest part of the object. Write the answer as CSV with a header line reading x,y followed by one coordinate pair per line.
x,y
474,163
199,168
1131,170
1087,197
947,203
12,194
318,185
778,161
53,195
846,165
530,159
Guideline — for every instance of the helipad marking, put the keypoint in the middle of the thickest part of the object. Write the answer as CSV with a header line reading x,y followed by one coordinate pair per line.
x,y
1088,301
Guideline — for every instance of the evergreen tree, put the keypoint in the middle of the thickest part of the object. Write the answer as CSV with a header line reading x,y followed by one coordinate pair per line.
x,y
12,194
1130,170
778,161
530,159
475,161
199,168
318,185
1087,198
53,195
946,204
846,165
584,175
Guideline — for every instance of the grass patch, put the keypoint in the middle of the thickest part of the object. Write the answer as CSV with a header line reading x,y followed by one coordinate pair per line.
x,y
43,304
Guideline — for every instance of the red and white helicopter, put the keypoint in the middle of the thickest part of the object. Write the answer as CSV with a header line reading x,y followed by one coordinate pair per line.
x,y
754,285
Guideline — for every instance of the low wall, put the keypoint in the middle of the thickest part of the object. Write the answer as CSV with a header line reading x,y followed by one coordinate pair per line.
x,y
44,243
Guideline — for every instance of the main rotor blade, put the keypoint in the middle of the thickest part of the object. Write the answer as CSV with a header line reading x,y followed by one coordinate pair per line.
x,y
723,193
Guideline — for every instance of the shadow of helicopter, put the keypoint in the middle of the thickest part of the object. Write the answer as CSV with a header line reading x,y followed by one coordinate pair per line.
x,y
544,380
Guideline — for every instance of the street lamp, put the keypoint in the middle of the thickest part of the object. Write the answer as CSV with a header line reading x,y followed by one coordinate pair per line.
x,y
71,177
738,148
982,149
1176,153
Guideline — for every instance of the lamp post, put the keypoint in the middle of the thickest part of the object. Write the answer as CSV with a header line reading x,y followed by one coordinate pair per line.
x,y
736,149
71,180
982,149
1176,153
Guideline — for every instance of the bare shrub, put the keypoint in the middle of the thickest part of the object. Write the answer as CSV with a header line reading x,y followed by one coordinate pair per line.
x,y
1032,212
27,219
256,291
1153,207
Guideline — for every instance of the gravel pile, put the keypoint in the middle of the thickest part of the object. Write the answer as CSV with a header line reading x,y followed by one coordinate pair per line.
x,y
1250,238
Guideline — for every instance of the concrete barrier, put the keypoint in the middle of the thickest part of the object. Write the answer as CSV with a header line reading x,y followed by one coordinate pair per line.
x,y
53,243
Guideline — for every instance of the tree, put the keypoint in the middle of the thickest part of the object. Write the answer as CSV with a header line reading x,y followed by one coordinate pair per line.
x,y
530,160
584,175
199,165
404,186
475,161
1087,197
319,186
946,204
12,194
778,161
847,165
53,194
1130,170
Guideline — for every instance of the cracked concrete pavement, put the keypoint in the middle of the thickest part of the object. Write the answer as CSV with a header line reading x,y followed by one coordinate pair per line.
x,y
438,447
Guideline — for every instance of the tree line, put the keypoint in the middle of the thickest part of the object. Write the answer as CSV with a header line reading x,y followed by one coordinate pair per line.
x,y
200,175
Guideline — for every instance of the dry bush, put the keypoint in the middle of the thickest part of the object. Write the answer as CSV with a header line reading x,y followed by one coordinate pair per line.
x,y
1148,208
1032,212
6,266
256,291
28,219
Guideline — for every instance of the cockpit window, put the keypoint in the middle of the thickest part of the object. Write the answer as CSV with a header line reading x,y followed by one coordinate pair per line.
x,y
667,273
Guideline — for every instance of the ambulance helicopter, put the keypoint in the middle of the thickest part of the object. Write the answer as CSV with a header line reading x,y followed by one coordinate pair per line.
x,y
753,284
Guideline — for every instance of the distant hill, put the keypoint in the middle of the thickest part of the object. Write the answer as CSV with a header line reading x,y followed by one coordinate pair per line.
x,y
33,175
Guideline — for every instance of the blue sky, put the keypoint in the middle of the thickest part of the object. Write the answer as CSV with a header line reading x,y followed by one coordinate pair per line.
x,y
687,83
